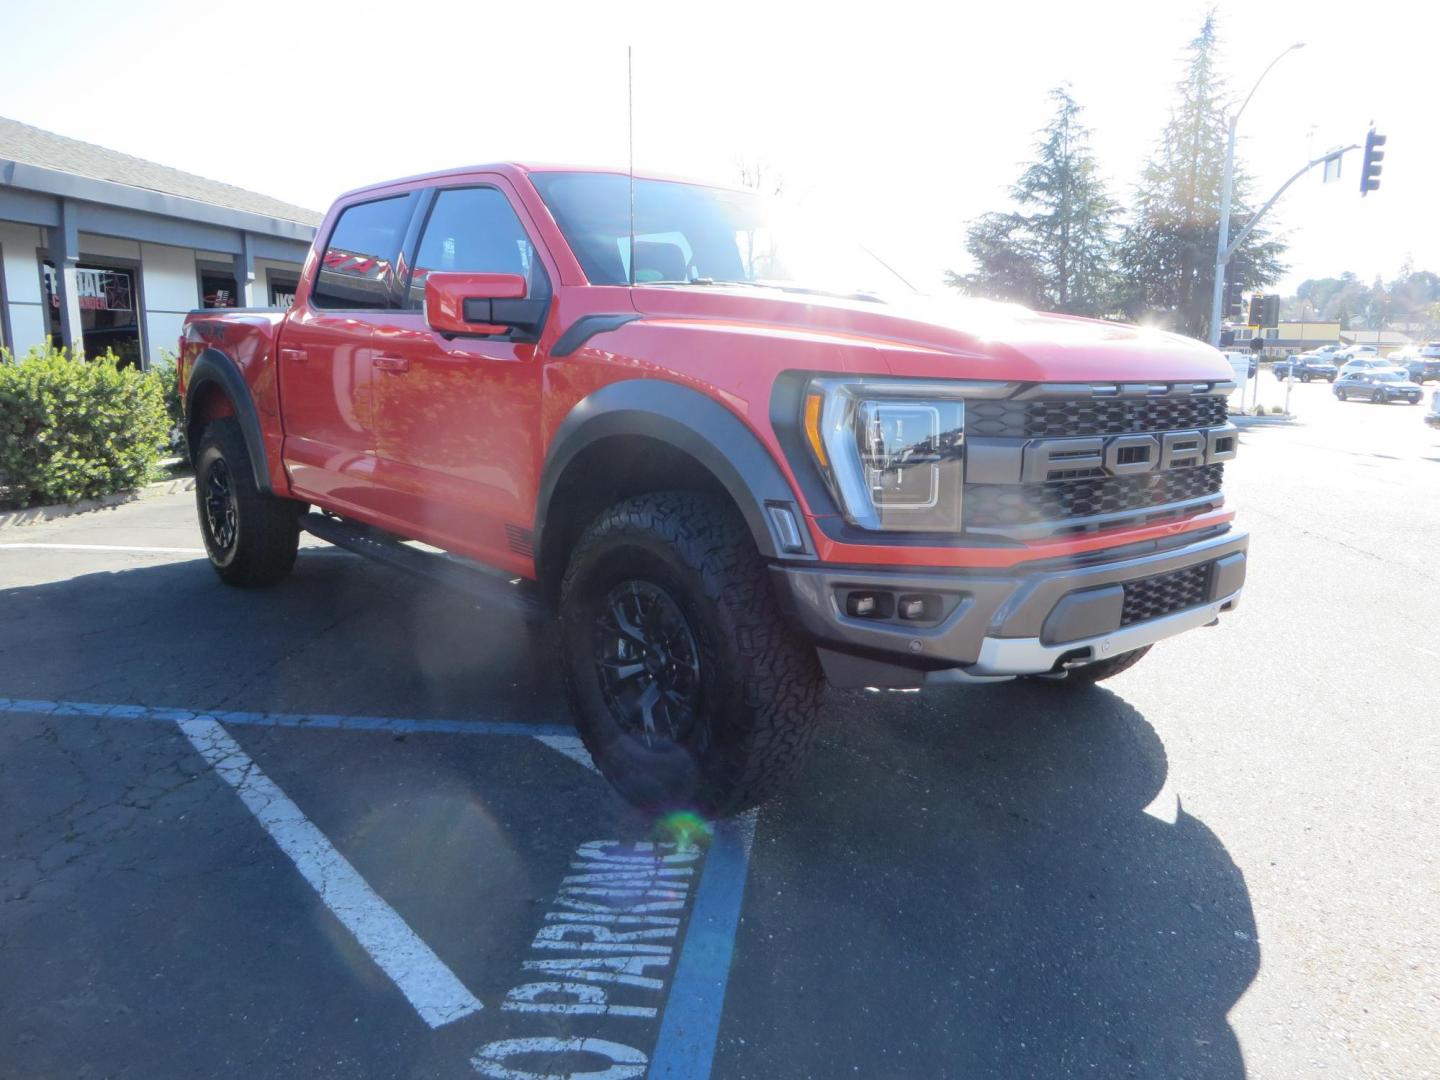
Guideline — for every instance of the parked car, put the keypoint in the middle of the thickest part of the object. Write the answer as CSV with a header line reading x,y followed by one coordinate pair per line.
x,y
1381,387
1368,363
1354,351
1433,416
1306,366
1430,350
727,478
1417,366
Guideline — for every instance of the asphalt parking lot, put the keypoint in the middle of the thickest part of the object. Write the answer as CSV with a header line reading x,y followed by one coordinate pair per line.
x,y
338,828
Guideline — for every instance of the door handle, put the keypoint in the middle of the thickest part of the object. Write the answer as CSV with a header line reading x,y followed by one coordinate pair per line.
x,y
386,362
295,356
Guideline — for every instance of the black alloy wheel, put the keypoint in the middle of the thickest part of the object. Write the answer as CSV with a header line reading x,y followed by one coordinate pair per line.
x,y
221,507
647,663
1378,397
1305,376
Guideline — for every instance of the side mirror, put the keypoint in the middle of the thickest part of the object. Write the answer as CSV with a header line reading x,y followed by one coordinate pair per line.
x,y
480,305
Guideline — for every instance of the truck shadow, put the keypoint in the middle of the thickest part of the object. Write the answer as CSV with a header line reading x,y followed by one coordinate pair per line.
x,y
967,885
964,883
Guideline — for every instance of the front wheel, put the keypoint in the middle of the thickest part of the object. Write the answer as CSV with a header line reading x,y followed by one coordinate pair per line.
x,y
1305,376
251,537
690,689
1340,394
1378,397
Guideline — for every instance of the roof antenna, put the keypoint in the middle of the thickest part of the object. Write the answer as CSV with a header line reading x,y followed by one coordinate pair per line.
x,y
630,106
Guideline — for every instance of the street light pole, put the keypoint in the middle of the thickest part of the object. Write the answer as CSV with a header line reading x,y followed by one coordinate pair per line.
x,y
1227,189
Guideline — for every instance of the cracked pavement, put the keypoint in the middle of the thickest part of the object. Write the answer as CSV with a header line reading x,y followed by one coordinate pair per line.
x,y
1220,864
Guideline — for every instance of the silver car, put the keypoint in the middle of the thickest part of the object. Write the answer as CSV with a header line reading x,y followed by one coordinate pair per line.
x,y
1381,387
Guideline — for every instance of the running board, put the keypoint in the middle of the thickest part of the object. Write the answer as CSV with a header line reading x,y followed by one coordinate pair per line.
x,y
481,585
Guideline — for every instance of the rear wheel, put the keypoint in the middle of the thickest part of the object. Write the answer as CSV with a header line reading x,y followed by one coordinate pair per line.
x,y
1081,677
251,537
689,688
1305,376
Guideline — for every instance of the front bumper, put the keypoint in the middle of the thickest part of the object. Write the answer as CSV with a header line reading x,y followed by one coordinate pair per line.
x,y
997,625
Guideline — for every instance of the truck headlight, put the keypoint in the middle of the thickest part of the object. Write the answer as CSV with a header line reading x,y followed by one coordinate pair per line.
x,y
891,451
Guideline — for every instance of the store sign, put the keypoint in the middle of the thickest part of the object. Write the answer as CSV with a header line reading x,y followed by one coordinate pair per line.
x,y
104,290
96,290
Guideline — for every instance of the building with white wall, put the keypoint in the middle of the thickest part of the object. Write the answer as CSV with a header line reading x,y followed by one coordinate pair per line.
x,y
101,250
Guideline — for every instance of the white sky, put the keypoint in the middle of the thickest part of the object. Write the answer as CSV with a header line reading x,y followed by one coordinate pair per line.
x,y
908,119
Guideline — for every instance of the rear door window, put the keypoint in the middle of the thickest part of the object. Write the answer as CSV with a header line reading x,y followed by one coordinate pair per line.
x,y
357,269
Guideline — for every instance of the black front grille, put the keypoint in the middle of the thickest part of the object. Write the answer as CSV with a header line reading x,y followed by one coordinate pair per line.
x,y
1076,417
1149,598
1001,505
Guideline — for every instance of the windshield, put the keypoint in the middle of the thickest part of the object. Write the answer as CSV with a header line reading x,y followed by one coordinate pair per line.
x,y
1390,376
690,234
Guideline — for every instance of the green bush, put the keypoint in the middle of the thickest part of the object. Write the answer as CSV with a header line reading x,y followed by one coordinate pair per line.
x,y
72,428
167,374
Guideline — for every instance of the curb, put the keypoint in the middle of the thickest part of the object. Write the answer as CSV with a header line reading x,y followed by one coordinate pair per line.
x,y
1261,421
40,515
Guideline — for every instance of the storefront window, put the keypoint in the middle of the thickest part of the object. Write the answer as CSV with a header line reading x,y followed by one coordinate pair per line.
x,y
108,311
282,289
218,290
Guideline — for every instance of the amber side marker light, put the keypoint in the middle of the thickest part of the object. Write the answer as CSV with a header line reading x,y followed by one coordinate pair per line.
x,y
813,403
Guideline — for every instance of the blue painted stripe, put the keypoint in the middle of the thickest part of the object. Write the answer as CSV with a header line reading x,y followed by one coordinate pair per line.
x,y
394,724
690,1026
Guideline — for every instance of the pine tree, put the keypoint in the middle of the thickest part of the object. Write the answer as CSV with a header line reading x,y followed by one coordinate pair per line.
x,y
1055,254
1167,254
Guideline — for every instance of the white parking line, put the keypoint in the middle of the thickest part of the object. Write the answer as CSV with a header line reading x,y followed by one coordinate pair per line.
x,y
572,747
105,547
149,550
438,996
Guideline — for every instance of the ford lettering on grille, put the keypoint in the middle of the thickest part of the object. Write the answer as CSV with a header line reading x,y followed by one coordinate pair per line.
x,y
1125,455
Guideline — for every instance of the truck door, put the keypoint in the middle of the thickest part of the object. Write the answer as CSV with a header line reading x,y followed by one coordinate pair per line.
x,y
325,355
458,421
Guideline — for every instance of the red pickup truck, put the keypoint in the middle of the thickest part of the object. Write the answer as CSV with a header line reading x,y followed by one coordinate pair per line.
x,y
736,458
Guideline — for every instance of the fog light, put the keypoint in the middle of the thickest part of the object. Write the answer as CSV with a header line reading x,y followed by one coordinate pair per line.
x,y
922,607
870,605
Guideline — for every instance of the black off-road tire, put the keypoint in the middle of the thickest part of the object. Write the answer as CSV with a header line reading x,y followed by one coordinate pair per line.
x,y
1082,678
755,713
258,546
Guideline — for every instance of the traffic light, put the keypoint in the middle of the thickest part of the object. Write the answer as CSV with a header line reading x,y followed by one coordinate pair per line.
x,y
1270,311
1257,310
1234,302
1370,167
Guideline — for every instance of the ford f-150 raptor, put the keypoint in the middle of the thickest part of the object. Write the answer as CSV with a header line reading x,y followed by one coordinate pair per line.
x,y
736,458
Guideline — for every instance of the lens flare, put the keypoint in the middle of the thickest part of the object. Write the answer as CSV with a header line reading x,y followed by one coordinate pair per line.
x,y
685,829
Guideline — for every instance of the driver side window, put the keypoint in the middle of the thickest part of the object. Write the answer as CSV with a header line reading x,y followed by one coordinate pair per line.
x,y
475,230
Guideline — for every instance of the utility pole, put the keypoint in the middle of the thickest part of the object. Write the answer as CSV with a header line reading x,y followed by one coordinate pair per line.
x,y
1223,250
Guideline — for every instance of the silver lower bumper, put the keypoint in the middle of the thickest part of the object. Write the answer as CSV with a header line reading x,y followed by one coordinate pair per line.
x,y
1002,657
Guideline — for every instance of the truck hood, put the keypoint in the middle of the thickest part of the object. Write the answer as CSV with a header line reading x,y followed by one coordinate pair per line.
x,y
947,337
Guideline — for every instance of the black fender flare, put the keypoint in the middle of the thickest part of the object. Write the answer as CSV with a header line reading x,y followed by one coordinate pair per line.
x,y
695,424
213,367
